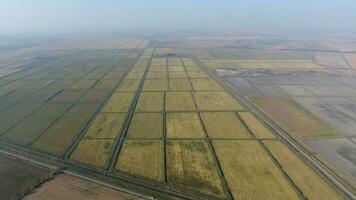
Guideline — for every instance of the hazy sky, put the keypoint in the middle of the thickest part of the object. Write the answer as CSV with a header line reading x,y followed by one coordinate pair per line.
x,y
109,15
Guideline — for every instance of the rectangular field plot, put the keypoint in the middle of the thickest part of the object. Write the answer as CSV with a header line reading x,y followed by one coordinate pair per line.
x,y
296,90
106,84
62,133
179,85
255,126
17,95
150,102
135,75
83,84
307,180
94,96
15,113
143,158
37,84
15,85
294,118
174,74
184,125
176,69
68,96
155,85
250,173
331,60
215,101
158,62
198,74
223,125
146,125
93,151
205,84
33,126
106,125
128,85
119,102
190,164
157,74
179,101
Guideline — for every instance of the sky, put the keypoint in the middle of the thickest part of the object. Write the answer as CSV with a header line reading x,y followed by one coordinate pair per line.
x,y
26,16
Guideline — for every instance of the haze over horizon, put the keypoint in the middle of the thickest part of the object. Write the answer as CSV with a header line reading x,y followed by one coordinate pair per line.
x,y
109,16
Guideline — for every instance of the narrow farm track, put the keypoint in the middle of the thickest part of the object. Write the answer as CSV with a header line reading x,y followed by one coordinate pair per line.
x,y
293,143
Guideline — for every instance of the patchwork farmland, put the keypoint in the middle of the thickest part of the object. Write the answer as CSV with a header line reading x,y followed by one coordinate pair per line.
x,y
159,121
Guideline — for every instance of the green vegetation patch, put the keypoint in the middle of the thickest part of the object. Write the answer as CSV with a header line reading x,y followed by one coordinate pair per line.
x,y
61,134
29,129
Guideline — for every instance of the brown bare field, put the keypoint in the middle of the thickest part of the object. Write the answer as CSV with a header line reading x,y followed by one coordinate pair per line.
x,y
184,125
223,125
215,101
179,101
93,151
190,164
106,125
73,188
179,85
294,118
331,60
205,84
146,125
255,126
308,181
119,102
155,85
128,85
150,102
143,158
250,173
351,58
